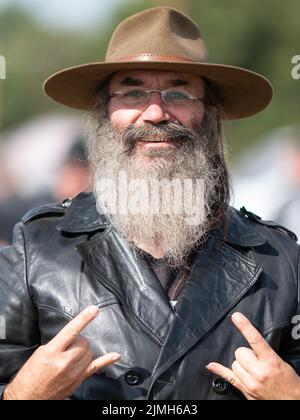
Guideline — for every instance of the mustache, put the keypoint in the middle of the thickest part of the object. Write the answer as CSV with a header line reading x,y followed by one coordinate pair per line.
x,y
171,132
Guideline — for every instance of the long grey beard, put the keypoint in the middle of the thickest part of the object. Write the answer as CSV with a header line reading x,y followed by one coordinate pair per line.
x,y
112,153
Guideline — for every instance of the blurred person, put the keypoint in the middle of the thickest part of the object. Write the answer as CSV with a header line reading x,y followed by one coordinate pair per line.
x,y
74,175
70,178
288,213
267,178
34,152
158,290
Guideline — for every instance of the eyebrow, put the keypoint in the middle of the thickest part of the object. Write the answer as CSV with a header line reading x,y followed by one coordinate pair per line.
x,y
132,81
179,82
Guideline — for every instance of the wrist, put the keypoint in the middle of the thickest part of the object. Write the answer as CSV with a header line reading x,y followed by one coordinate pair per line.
x,y
7,395
10,393
297,391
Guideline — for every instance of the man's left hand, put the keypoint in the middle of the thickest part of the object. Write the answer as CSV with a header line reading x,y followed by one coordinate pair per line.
x,y
259,373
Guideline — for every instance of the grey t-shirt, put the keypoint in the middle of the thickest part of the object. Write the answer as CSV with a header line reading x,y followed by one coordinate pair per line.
x,y
171,279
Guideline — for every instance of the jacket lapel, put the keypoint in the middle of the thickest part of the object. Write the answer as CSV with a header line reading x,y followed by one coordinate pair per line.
x,y
221,276
115,265
112,263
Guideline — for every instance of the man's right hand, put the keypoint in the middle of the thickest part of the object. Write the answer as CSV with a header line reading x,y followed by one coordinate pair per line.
x,y
57,369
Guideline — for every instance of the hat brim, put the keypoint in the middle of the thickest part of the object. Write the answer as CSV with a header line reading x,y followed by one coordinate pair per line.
x,y
241,93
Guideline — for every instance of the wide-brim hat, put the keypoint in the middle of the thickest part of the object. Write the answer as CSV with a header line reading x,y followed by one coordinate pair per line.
x,y
161,38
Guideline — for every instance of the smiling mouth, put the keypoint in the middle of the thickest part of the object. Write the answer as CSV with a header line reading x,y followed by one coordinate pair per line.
x,y
157,141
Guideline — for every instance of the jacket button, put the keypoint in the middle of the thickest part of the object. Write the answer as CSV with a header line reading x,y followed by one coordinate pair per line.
x,y
220,386
132,377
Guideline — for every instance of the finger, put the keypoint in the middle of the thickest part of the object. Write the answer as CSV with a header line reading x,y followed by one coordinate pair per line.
x,y
227,374
241,373
81,364
248,360
78,348
259,345
72,330
247,380
77,368
101,363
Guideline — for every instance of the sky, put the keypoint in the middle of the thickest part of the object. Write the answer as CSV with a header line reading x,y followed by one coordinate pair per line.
x,y
80,14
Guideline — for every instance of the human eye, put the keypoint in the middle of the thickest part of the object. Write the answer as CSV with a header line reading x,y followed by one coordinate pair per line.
x,y
134,94
175,95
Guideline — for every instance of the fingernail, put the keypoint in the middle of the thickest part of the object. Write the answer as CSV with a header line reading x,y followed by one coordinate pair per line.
x,y
93,310
115,357
237,317
210,365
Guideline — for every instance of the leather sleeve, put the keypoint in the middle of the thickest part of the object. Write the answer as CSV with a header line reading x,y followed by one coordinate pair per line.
x,y
19,334
2,388
291,336
296,327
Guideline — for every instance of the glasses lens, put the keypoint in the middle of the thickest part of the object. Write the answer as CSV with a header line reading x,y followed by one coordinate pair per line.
x,y
135,97
175,97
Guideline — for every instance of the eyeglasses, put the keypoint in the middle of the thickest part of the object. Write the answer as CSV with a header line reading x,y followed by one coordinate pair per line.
x,y
140,97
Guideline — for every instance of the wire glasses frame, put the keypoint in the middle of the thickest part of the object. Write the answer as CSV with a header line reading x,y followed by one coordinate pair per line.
x,y
138,97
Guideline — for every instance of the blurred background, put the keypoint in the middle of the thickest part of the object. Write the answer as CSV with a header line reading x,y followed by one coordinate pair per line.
x,y
42,153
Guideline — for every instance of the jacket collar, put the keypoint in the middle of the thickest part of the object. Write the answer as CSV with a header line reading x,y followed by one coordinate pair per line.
x,y
241,231
83,217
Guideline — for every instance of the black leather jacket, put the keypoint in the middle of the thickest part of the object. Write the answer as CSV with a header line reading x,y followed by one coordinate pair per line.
x,y
65,257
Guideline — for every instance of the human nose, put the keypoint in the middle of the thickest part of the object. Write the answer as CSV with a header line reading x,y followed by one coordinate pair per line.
x,y
155,111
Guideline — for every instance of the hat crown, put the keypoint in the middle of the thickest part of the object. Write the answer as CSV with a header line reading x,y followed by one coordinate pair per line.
x,y
161,33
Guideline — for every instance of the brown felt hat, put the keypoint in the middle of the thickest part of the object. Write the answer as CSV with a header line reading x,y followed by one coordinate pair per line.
x,y
161,38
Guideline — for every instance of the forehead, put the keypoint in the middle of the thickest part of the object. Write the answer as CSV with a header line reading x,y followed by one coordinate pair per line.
x,y
159,78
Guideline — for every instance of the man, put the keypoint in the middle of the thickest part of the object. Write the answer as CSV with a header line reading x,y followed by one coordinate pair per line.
x,y
165,283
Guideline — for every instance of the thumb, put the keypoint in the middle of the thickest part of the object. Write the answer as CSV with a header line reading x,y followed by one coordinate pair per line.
x,y
229,376
101,363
